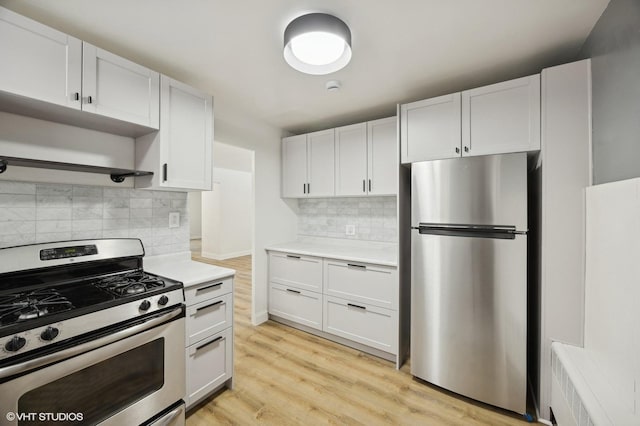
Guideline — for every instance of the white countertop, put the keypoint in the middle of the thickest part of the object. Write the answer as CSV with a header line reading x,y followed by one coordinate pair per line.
x,y
385,254
180,267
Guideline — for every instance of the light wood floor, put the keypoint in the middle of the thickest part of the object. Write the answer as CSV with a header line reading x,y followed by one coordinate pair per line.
x,y
287,377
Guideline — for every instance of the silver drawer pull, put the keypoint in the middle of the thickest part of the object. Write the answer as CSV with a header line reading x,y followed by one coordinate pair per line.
x,y
293,291
291,256
357,306
208,343
208,287
353,265
208,306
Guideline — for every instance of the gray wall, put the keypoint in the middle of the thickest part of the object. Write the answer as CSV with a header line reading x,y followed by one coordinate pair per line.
x,y
614,46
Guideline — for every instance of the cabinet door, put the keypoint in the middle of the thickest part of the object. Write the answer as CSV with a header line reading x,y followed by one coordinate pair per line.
x,y
187,136
502,117
116,87
321,161
209,363
39,62
301,306
382,153
351,159
430,129
294,166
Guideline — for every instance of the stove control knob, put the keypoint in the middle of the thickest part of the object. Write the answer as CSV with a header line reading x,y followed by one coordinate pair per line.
x,y
163,300
49,334
145,305
15,344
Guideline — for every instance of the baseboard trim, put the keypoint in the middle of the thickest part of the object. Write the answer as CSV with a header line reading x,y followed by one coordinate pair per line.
x,y
225,256
260,318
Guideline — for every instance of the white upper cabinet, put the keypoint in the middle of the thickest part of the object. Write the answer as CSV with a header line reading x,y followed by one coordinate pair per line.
x,y
351,160
382,157
321,167
502,118
308,165
118,88
294,166
181,153
495,119
39,62
430,129
43,69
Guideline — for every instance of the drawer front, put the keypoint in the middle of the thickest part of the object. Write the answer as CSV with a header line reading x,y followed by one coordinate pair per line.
x,y
209,364
209,317
209,290
361,282
292,270
366,324
301,306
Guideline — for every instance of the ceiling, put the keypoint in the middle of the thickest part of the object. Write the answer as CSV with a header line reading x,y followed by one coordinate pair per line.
x,y
403,50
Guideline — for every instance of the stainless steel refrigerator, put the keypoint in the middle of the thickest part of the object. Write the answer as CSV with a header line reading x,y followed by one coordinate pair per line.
x,y
469,277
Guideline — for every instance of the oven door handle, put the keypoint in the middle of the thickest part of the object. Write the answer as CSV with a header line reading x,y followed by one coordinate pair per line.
x,y
23,367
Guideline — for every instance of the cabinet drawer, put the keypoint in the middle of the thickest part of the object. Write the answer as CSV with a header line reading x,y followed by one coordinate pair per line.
x,y
208,317
291,270
366,324
208,290
361,282
301,306
209,364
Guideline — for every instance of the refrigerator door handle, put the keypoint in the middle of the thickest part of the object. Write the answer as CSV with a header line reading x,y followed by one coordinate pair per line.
x,y
505,232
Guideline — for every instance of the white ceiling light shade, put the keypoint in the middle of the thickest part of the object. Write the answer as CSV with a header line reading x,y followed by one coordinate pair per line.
x,y
317,44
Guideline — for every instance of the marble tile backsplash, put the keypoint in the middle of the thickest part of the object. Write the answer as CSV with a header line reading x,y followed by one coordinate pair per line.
x,y
39,212
374,218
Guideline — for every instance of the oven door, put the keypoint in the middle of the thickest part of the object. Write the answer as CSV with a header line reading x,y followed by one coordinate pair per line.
x,y
126,377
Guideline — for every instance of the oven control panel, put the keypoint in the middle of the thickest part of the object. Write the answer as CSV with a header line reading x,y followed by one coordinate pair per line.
x,y
65,252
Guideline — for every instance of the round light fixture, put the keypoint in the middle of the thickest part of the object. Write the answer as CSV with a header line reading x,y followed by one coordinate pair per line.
x,y
317,44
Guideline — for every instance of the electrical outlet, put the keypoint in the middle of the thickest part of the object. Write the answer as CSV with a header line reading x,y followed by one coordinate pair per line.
x,y
174,219
350,230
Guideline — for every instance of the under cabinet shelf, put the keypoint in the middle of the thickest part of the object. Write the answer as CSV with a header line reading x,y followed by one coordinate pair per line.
x,y
116,175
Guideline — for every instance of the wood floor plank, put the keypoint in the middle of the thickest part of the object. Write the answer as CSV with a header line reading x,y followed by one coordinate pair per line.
x,y
284,376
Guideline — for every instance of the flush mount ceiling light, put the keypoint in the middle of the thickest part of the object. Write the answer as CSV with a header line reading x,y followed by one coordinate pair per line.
x,y
317,44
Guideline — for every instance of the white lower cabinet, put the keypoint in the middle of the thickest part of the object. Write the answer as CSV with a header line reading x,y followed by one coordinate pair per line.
x,y
340,299
301,306
209,365
208,338
366,324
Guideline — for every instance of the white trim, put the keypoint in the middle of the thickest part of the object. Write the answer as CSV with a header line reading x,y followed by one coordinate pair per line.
x,y
260,318
225,256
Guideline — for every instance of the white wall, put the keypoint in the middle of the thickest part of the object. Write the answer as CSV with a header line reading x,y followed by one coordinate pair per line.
x,y
227,215
194,208
275,219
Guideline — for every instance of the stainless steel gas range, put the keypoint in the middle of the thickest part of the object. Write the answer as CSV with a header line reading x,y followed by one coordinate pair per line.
x,y
88,337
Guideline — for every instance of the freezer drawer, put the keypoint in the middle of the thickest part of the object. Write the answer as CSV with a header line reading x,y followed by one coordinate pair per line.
x,y
361,282
301,306
469,316
292,270
366,324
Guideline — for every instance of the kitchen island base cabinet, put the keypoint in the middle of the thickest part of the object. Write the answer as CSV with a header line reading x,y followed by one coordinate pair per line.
x,y
209,366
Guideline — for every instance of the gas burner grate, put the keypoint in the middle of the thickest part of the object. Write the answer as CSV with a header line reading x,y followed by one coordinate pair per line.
x,y
130,283
25,306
